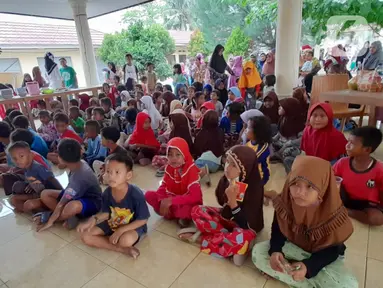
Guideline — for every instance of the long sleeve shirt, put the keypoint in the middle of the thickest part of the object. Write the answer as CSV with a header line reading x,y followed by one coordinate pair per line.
x,y
95,149
192,197
263,155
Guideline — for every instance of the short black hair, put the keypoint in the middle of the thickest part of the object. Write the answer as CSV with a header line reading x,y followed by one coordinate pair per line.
x,y
19,145
371,136
5,129
235,110
216,92
42,103
116,77
74,102
106,101
310,52
89,110
14,114
61,117
101,95
168,87
99,110
149,64
270,80
69,150
123,158
94,125
21,122
143,78
22,135
262,129
9,110
198,86
44,113
74,109
111,133
131,115
128,55
121,87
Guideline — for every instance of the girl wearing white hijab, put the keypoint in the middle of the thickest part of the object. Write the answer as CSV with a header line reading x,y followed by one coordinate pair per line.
x,y
148,106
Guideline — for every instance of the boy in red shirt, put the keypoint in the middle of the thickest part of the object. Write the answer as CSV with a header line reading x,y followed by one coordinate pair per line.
x,y
362,185
61,122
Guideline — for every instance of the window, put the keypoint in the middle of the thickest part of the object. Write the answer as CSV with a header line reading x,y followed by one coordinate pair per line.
x,y
171,59
182,58
10,65
41,62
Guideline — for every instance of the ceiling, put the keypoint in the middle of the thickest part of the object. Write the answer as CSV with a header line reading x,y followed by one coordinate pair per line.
x,y
61,9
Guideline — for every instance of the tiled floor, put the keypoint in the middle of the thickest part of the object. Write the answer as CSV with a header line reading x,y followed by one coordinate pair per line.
x,y
57,258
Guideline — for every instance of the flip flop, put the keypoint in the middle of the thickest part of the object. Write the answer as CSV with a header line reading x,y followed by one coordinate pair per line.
x,y
72,223
191,230
44,216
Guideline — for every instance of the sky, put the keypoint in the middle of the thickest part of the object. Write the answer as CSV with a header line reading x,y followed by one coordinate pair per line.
x,y
108,23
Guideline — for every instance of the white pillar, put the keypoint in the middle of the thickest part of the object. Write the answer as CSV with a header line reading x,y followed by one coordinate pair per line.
x,y
288,46
85,42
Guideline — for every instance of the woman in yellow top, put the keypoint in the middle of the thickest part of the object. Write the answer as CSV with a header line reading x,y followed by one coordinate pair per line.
x,y
249,84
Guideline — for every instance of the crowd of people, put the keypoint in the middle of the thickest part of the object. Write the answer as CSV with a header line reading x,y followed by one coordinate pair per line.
x,y
222,116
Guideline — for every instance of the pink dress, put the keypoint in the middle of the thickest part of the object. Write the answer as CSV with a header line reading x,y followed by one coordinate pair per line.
x,y
48,132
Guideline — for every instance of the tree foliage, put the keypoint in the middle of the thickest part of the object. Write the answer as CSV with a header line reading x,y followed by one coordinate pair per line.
x,y
198,44
146,43
238,43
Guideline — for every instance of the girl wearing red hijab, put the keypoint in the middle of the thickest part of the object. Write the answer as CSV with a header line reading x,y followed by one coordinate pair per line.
x,y
204,108
320,138
143,142
180,190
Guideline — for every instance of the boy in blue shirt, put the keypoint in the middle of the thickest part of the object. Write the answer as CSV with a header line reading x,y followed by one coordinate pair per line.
x,y
95,150
81,198
37,177
124,214
38,145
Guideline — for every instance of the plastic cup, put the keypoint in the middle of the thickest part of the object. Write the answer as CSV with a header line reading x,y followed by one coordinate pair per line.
x,y
338,181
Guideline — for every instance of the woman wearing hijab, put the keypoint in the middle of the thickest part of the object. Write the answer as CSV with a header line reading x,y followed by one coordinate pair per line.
x,y
374,57
362,54
230,230
309,230
287,142
218,65
149,108
270,107
237,70
36,73
84,101
301,96
223,93
249,84
269,65
52,72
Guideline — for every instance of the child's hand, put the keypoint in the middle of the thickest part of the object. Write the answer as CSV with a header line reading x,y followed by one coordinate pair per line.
x,y
231,193
87,225
298,274
165,205
276,261
115,237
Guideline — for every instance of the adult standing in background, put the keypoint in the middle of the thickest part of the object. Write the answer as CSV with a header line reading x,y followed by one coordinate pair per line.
x,y
36,73
111,71
130,73
269,66
218,65
68,74
198,70
52,72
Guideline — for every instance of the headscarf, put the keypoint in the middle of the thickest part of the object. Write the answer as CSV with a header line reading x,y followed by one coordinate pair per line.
x,y
208,106
291,123
155,116
251,80
211,137
181,127
317,227
50,64
142,136
208,87
178,88
24,82
84,100
372,61
218,62
168,98
235,91
223,93
327,143
178,180
269,66
272,112
299,94
246,160
36,73
364,51
199,57
174,104
237,67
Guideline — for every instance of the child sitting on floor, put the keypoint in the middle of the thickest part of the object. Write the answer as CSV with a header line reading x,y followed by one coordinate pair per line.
x,y
106,104
61,121
76,121
320,138
124,213
38,145
123,96
203,109
180,190
94,102
37,177
230,230
47,130
88,113
130,117
362,184
234,96
143,143
270,108
81,198
215,100
259,135
98,114
95,150
232,124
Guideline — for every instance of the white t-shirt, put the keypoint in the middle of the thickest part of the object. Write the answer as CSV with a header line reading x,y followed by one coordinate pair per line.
x,y
130,72
54,79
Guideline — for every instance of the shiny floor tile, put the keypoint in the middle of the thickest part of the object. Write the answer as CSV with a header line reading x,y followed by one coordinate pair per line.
x,y
112,278
374,278
12,226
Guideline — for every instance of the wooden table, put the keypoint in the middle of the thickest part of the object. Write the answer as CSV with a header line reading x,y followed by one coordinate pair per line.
x,y
370,99
25,106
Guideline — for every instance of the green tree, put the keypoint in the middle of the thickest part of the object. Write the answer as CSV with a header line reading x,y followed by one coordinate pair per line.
x,y
197,44
238,43
146,43
149,13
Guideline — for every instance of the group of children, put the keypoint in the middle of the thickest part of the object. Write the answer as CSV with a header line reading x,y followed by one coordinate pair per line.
x,y
187,137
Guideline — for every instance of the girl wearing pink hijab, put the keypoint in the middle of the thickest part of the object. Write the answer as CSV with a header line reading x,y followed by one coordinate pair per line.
x,y
237,69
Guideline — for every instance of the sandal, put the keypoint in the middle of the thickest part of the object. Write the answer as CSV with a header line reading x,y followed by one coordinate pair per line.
x,y
191,230
71,223
44,216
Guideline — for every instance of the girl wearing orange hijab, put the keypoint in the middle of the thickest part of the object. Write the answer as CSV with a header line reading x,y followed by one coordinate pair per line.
x,y
180,190
249,83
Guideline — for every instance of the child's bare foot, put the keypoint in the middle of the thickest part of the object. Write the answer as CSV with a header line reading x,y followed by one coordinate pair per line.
x,y
132,252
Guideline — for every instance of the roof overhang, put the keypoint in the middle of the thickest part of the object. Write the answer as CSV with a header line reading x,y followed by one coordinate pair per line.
x,y
61,9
